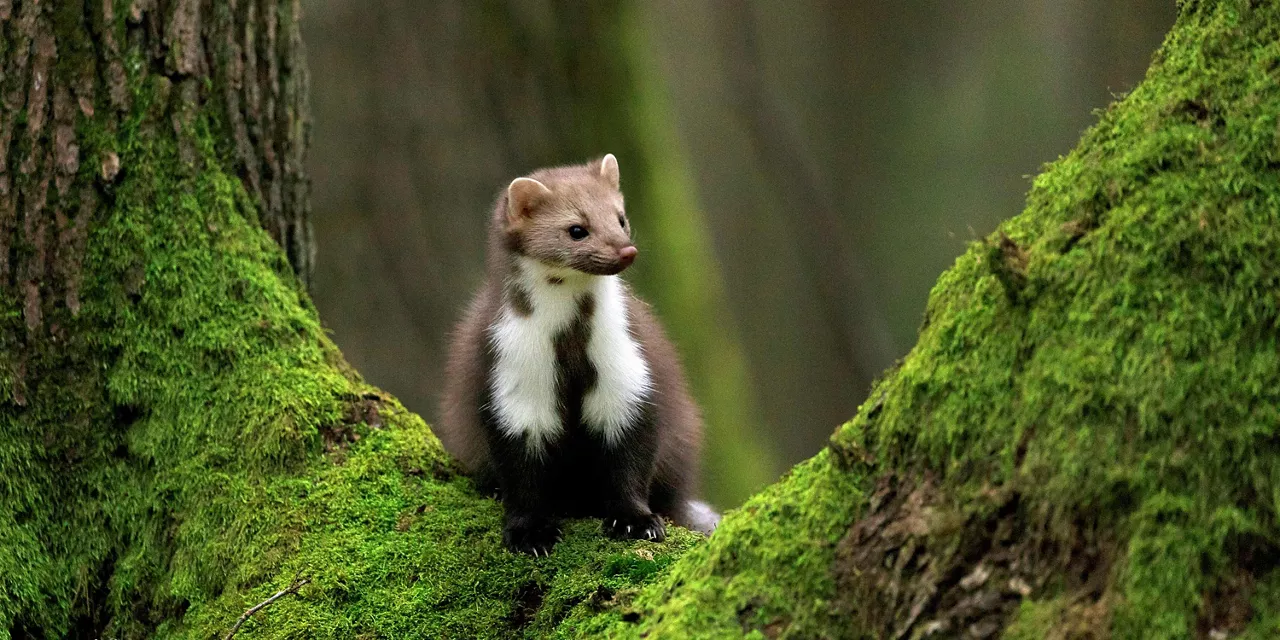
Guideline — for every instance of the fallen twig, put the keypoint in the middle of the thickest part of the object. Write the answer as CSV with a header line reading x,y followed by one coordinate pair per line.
x,y
293,588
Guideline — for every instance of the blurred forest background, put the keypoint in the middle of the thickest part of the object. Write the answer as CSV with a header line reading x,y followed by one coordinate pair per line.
x,y
798,173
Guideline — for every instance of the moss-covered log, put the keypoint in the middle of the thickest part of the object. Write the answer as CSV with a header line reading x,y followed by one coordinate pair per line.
x,y
1082,444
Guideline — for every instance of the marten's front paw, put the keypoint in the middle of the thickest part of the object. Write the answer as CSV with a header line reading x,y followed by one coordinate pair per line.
x,y
532,536
646,526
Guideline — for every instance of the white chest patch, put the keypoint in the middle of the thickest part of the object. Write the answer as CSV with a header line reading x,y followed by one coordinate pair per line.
x,y
525,376
622,374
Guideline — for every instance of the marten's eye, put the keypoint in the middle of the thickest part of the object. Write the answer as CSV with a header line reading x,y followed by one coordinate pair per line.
x,y
622,222
577,232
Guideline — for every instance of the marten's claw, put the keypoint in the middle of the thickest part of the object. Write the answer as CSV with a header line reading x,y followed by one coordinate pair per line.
x,y
535,537
645,526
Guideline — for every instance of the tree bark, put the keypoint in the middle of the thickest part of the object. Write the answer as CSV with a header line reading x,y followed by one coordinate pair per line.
x,y
1082,443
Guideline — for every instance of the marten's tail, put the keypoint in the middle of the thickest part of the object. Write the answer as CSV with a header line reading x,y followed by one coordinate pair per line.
x,y
696,515
690,513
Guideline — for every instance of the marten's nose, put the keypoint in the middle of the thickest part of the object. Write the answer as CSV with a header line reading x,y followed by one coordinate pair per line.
x,y
627,255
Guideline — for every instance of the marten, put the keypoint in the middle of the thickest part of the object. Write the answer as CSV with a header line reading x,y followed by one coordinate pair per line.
x,y
563,394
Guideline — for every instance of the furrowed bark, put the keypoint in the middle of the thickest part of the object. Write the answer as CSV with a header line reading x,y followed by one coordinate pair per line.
x,y
64,75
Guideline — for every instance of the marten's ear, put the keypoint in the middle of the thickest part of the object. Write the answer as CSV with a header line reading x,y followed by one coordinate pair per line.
x,y
609,170
523,195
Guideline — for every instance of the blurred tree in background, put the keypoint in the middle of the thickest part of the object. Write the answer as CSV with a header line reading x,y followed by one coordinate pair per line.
x,y
798,173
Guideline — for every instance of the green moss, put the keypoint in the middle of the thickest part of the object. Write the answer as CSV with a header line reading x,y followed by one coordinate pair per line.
x,y
1266,609
393,554
1034,620
75,51
767,566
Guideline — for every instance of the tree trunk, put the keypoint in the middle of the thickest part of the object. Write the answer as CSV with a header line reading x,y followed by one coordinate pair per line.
x,y
1082,443
143,146
73,75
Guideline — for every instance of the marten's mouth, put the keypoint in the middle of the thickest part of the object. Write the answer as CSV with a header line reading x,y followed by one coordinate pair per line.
x,y
604,269
599,267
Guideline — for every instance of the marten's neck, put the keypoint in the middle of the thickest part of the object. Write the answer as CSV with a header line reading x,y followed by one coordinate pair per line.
x,y
536,280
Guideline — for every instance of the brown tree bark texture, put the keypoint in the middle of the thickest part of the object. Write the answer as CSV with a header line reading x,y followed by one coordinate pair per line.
x,y
64,71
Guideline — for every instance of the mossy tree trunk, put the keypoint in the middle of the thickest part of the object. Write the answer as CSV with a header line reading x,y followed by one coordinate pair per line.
x,y
74,75
1082,443
127,128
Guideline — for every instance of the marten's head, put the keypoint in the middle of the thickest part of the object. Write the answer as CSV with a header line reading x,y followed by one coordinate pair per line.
x,y
571,217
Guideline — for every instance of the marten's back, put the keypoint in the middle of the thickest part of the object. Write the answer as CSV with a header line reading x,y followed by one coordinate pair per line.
x,y
466,381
